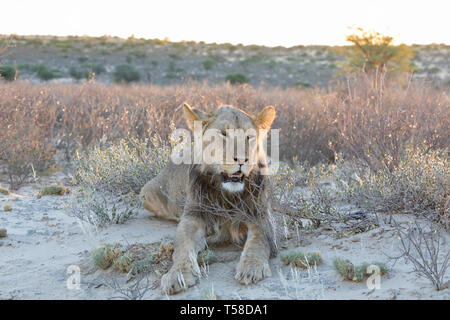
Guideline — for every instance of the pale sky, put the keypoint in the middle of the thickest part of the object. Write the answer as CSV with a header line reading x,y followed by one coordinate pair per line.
x,y
263,22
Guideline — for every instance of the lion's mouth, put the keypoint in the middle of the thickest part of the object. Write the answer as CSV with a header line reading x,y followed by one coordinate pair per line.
x,y
235,177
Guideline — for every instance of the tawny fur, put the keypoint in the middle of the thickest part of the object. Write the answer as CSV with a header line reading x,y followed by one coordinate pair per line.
x,y
192,194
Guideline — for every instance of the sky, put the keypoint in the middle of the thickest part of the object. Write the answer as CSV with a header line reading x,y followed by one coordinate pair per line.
x,y
262,22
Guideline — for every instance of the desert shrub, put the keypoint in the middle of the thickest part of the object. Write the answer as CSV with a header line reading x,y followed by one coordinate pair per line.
x,y
26,136
209,63
79,73
296,258
360,119
378,119
426,247
96,68
373,51
8,73
45,73
111,177
356,273
299,192
419,183
237,78
126,73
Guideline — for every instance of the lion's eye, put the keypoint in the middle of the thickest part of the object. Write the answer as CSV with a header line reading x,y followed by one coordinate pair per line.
x,y
224,133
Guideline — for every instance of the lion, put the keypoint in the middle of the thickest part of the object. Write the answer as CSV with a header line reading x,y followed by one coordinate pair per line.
x,y
214,202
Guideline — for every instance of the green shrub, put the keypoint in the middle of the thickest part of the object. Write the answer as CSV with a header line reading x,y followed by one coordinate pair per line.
x,y
126,73
83,59
209,63
78,73
237,78
9,73
105,256
45,73
96,68
303,84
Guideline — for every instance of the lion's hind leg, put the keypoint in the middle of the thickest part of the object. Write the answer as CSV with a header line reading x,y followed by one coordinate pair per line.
x,y
154,200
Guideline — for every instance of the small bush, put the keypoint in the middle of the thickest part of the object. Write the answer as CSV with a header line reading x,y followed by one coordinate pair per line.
x,y
4,191
209,63
296,258
237,78
78,73
126,73
420,183
356,273
111,178
425,246
8,73
55,189
44,73
96,68
104,257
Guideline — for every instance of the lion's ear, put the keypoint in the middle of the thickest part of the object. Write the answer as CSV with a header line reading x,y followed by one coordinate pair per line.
x,y
265,118
191,115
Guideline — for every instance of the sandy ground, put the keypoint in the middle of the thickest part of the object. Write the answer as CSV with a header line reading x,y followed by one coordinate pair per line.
x,y
43,242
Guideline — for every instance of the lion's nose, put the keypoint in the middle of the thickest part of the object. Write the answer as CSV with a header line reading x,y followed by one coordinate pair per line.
x,y
240,161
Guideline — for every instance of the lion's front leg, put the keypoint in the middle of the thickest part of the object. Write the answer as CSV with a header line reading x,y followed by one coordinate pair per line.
x,y
190,239
254,263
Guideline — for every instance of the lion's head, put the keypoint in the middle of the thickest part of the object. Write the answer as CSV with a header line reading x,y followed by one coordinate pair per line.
x,y
240,136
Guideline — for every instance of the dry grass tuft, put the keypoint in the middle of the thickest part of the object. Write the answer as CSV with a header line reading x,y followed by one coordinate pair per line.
x,y
356,273
296,258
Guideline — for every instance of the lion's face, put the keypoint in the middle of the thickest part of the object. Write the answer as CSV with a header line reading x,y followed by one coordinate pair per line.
x,y
239,135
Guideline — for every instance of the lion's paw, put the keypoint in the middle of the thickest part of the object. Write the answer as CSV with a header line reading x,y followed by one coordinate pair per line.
x,y
177,280
251,270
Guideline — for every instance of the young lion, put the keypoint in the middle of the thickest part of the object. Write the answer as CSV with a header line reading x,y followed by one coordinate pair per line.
x,y
225,199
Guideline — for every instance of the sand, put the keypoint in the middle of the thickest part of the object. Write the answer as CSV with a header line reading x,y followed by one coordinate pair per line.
x,y
43,243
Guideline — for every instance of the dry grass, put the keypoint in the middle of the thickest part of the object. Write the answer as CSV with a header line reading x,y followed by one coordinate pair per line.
x,y
364,118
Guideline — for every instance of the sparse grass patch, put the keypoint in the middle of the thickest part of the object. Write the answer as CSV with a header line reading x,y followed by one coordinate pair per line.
x,y
7,206
297,258
4,191
54,189
357,273
135,258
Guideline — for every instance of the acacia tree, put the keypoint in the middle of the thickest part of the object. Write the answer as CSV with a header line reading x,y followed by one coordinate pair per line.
x,y
372,51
